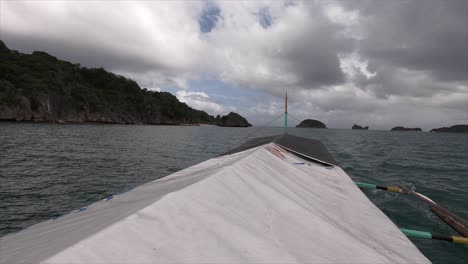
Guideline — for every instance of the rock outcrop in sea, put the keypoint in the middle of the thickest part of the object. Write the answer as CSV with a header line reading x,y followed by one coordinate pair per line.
x,y
452,129
360,127
400,128
311,123
232,120
41,88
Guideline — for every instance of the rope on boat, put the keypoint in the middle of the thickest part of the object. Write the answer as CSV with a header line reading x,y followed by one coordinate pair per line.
x,y
428,235
237,142
456,222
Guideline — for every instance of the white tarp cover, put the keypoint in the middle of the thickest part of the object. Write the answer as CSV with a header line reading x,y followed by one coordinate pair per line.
x,y
262,205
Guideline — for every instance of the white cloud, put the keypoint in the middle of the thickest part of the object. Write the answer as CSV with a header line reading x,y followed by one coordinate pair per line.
x,y
162,41
156,89
352,64
137,37
336,59
201,101
194,95
339,15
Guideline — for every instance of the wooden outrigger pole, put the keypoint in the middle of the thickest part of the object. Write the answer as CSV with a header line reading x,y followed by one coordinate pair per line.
x,y
453,220
456,222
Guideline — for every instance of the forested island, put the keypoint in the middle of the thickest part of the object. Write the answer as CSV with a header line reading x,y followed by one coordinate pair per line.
x,y
311,123
41,88
452,129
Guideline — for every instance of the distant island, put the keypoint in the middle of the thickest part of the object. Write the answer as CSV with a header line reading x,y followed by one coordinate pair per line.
x,y
452,129
41,88
232,120
400,128
311,123
360,127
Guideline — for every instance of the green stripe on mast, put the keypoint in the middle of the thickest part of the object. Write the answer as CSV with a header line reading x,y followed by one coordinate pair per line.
x,y
286,122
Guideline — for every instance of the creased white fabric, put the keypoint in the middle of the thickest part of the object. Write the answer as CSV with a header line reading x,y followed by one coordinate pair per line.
x,y
261,206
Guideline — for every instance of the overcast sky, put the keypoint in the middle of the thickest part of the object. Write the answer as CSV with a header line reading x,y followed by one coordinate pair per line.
x,y
375,63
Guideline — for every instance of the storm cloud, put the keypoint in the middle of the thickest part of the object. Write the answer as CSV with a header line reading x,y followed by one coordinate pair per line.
x,y
380,63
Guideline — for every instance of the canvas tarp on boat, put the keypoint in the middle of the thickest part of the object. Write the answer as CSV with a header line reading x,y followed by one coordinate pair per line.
x,y
262,204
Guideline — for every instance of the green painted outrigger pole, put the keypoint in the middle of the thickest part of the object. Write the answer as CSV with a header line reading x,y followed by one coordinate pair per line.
x,y
286,113
428,235
374,186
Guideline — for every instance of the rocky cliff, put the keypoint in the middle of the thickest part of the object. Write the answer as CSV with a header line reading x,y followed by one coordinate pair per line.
x,y
400,128
452,129
311,123
39,87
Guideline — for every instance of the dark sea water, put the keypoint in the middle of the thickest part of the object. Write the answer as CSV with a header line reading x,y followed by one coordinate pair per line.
x,y
47,170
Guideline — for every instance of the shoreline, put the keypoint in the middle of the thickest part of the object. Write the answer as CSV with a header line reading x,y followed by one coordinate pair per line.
x,y
62,122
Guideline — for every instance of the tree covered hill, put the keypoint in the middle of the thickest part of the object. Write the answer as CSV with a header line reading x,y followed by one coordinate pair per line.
x,y
39,87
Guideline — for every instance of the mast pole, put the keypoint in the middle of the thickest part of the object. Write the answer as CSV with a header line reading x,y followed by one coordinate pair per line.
x,y
286,113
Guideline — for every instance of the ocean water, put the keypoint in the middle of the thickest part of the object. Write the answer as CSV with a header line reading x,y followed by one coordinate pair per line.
x,y
47,170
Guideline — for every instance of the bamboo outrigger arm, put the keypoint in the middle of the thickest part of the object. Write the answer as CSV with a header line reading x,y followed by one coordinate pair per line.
x,y
456,222
453,220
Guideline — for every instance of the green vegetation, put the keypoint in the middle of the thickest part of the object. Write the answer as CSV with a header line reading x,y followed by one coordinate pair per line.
x,y
40,87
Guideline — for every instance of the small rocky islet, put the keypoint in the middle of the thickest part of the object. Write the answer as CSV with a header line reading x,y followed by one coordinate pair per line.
x,y
311,123
358,127
400,128
232,120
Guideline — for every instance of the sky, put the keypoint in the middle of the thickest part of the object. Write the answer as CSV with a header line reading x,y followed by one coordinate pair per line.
x,y
375,63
